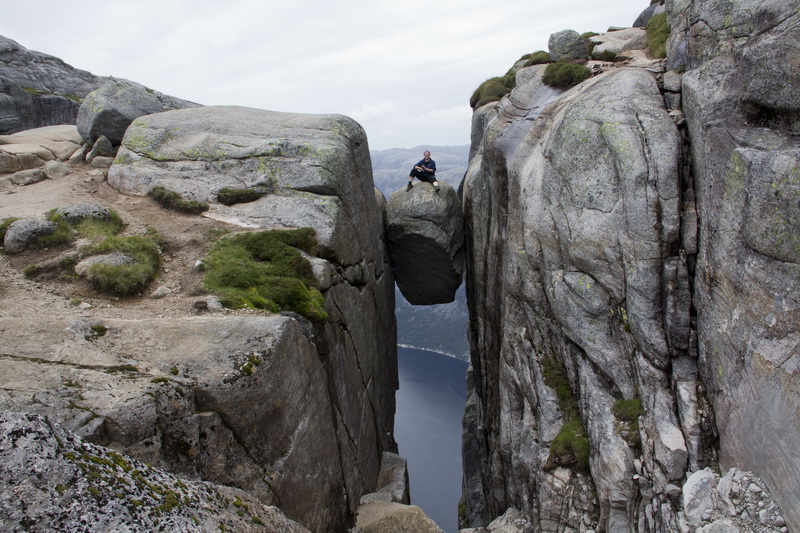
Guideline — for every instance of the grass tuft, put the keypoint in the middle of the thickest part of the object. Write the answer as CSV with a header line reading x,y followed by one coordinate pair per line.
x,y
563,75
228,196
493,89
571,447
174,201
657,34
264,270
537,58
131,278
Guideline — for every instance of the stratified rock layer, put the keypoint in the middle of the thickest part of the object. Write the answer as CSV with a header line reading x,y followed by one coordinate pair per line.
x,y
426,239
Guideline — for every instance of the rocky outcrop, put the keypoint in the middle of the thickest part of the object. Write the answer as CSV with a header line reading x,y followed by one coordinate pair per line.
x,y
426,241
38,89
297,414
741,96
108,111
62,483
35,148
604,334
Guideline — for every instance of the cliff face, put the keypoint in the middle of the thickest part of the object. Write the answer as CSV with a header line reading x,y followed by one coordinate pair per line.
x,y
605,334
296,413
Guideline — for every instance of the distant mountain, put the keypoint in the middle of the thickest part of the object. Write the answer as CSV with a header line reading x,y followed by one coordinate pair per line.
x,y
439,328
390,167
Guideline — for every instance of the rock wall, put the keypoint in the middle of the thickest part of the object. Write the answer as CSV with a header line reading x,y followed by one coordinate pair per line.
x,y
296,413
741,97
605,333
38,89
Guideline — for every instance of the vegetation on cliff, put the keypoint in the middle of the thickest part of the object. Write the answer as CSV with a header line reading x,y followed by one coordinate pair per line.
x,y
265,270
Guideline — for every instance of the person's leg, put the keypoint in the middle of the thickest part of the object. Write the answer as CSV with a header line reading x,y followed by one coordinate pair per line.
x,y
436,185
411,178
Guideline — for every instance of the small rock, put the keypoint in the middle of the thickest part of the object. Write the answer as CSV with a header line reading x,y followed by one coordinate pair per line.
x,y
755,489
24,232
28,177
106,259
102,162
56,169
160,292
74,213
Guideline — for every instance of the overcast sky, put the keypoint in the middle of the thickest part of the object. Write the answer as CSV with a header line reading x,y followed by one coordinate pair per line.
x,y
405,69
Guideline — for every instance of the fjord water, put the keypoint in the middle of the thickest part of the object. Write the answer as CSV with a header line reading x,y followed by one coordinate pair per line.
x,y
430,404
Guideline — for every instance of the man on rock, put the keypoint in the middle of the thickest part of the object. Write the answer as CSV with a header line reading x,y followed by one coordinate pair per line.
x,y
424,170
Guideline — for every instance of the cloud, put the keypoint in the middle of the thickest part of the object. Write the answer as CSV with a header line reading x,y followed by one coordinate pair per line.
x,y
404,70
373,111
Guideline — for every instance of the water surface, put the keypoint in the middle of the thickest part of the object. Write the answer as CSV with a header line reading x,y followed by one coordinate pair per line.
x,y
427,427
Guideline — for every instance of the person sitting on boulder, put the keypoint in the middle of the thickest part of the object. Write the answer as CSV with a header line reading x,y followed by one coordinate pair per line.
x,y
424,170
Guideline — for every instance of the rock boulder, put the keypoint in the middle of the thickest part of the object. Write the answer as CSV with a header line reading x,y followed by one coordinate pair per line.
x,y
109,110
426,239
567,45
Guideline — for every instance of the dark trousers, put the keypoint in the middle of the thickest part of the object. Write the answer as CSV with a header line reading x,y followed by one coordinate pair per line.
x,y
422,176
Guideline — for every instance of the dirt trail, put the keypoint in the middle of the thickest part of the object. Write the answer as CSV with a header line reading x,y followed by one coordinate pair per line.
x,y
185,241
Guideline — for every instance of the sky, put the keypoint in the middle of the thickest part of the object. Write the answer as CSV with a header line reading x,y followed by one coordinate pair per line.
x,y
404,69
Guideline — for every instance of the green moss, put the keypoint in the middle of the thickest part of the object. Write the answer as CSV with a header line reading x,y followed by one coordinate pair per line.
x,y
628,413
657,34
174,370
121,368
493,89
570,448
462,514
606,55
6,222
30,271
555,377
228,196
174,201
537,58
130,278
159,380
264,270
257,520
99,227
563,75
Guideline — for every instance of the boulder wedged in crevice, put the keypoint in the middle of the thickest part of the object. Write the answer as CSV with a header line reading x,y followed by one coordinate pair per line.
x,y
426,237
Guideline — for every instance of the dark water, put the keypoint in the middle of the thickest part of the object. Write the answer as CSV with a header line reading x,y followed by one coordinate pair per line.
x,y
427,427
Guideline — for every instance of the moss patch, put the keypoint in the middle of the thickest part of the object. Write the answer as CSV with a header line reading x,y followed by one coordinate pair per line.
x,y
563,75
174,201
493,89
265,270
628,413
657,33
131,278
570,448
537,58
228,196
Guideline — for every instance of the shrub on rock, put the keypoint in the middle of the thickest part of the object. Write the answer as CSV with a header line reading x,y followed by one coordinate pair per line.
x,y
564,75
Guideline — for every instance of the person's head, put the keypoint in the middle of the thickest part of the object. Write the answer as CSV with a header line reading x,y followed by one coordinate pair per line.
x,y
426,154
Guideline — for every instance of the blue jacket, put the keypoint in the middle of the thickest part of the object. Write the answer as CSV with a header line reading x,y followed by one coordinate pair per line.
x,y
429,166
